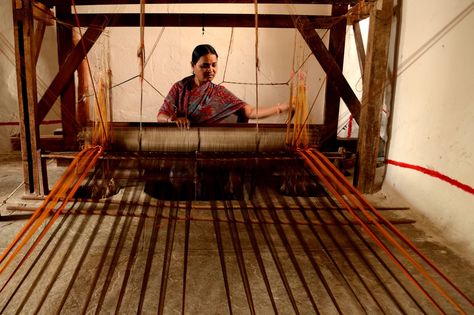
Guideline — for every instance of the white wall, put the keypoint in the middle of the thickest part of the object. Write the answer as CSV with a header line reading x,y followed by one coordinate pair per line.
x,y
8,95
433,114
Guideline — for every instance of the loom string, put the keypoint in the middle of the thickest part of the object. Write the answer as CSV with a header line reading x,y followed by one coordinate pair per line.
x,y
229,49
307,250
83,257
291,253
290,103
229,212
141,56
370,266
53,195
257,69
220,249
150,254
187,229
333,190
69,188
274,253
121,239
330,256
334,22
76,16
253,241
167,255
392,228
132,258
314,158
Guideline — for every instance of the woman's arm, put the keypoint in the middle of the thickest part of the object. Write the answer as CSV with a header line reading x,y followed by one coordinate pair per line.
x,y
251,112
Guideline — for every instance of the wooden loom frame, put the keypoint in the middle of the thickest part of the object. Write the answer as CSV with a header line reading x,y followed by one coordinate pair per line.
x,y
28,43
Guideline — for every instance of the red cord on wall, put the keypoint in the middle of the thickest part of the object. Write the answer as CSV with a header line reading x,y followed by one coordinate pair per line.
x,y
433,173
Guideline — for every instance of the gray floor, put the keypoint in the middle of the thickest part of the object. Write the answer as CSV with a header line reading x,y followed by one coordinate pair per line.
x,y
289,260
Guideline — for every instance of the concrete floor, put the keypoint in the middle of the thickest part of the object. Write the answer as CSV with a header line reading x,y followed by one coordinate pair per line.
x,y
133,259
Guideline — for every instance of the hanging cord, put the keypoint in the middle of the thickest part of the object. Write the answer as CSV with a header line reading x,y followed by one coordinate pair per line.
x,y
141,56
231,40
154,47
298,96
4,202
257,69
102,119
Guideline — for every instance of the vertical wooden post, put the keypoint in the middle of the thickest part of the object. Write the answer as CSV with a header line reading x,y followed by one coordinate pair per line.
x,y
83,104
337,40
68,96
27,98
374,82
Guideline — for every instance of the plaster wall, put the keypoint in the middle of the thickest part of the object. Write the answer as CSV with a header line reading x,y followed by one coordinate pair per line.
x,y
433,113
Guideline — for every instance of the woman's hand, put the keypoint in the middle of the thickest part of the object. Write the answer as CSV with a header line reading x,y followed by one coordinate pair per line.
x,y
282,107
182,122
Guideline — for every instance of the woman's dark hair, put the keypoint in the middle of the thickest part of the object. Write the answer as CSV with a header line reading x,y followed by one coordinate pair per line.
x,y
202,50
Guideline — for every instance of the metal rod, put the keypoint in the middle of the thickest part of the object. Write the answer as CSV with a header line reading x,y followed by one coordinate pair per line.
x,y
132,256
291,253
151,252
220,248
238,252
187,230
258,256
167,257
276,259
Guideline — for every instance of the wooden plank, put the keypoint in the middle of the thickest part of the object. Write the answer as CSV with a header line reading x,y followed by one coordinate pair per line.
x,y
374,81
208,20
329,65
337,41
43,17
83,76
50,3
68,92
47,143
359,45
39,34
26,87
70,65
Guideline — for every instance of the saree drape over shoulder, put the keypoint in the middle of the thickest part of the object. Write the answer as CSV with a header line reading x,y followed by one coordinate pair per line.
x,y
207,103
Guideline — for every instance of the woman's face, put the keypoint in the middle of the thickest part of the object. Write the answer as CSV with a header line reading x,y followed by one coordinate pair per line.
x,y
205,69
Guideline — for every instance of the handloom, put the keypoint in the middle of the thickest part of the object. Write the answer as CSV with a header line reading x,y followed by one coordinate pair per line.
x,y
259,187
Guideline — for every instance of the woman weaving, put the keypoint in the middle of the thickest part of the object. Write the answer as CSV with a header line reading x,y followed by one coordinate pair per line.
x,y
196,99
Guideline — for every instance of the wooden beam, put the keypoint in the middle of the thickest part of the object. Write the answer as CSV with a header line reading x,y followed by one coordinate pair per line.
x,y
71,63
337,40
207,20
83,76
359,45
118,2
39,34
43,17
374,83
328,64
27,88
68,92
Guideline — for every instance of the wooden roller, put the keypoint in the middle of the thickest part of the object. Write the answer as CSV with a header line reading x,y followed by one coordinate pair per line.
x,y
216,138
